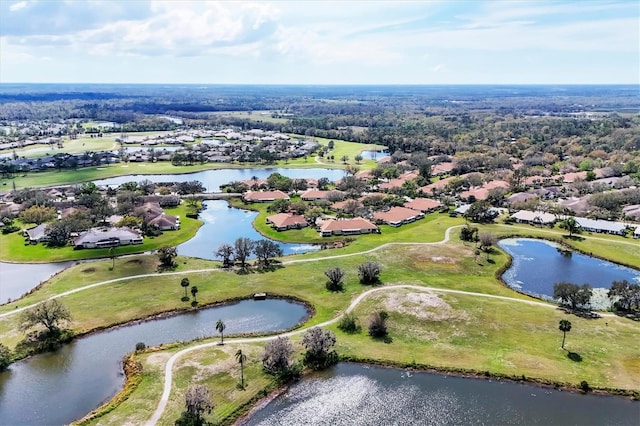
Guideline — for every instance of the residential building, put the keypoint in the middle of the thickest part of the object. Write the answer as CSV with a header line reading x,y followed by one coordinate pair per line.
x,y
107,237
37,234
398,216
424,205
353,226
601,226
264,196
534,218
284,221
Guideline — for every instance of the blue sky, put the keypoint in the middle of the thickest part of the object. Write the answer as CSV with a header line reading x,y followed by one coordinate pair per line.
x,y
321,42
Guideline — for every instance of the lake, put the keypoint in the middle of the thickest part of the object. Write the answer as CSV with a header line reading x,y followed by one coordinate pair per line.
x,y
212,179
374,155
224,225
537,265
18,278
59,387
353,394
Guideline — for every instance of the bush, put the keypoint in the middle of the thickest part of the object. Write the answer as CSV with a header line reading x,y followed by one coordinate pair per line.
x,y
349,324
10,229
335,276
584,386
378,324
369,273
5,357
140,346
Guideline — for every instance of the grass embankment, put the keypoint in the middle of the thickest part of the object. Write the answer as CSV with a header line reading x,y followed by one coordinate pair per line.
x,y
14,249
86,174
430,330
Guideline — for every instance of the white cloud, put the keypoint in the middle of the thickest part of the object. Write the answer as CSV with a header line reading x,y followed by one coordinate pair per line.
x,y
17,6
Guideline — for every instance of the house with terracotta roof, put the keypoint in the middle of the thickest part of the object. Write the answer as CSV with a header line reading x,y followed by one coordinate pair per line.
x,y
398,216
355,226
437,186
442,168
284,221
424,205
481,193
397,183
314,195
264,196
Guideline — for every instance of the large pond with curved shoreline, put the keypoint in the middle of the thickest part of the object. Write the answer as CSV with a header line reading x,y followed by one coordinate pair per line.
x,y
59,387
538,264
223,224
355,394
213,179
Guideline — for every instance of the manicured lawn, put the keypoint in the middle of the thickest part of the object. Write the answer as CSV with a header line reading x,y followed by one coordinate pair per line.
x,y
14,249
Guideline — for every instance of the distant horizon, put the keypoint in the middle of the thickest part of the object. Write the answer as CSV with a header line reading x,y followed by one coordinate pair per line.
x,y
316,84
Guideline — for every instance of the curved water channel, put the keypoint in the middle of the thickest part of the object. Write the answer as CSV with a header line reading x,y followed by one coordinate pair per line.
x,y
224,225
212,179
353,394
59,387
538,264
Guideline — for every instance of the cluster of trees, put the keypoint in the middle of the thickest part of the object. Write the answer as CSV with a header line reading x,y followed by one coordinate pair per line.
x,y
573,295
264,250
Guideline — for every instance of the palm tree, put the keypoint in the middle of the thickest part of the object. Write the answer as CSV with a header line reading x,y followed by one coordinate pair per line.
x,y
241,358
571,225
194,291
220,326
564,326
185,283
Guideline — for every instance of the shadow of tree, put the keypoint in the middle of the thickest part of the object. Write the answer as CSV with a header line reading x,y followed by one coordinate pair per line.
x,y
573,356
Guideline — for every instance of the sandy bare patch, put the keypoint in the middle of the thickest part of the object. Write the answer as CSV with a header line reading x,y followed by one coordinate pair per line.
x,y
424,305
158,359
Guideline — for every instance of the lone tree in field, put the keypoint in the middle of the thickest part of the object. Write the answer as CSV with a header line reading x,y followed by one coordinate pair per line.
x,y
369,273
572,294
220,326
571,225
167,256
378,324
266,250
335,276
194,291
278,356
185,284
487,240
225,252
241,358
564,326
243,249
319,344
50,314
197,404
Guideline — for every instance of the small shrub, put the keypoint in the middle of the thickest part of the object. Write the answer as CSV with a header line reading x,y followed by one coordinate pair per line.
x,y
584,386
369,273
349,324
378,324
140,346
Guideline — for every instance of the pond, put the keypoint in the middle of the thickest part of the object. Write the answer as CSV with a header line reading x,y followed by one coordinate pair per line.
x,y
224,225
352,394
59,387
537,265
212,179
374,155
18,278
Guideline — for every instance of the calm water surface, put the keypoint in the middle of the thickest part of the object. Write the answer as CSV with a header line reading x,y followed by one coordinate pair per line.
x,y
538,265
352,394
18,278
212,179
374,155
224,225
57,388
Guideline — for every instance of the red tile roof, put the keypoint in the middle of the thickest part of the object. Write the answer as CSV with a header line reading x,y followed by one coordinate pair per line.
x,y
423,204
265,196
346,224
396,215
285,220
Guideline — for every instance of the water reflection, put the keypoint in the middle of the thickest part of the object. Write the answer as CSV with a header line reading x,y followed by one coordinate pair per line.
x,y
224,225
353,394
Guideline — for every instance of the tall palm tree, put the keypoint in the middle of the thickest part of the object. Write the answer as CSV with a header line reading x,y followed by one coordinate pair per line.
x,y
220,326
241,358
564,326
194,291
185,283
